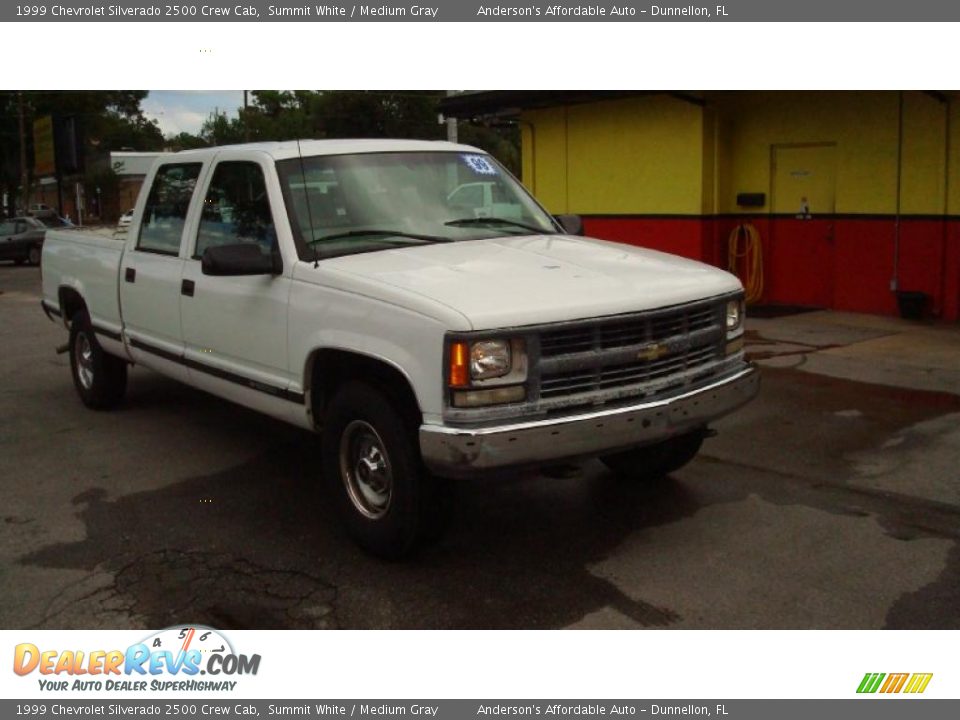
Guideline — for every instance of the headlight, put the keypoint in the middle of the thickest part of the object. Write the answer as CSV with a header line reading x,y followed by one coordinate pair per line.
x,y
487,362
489,359
734,314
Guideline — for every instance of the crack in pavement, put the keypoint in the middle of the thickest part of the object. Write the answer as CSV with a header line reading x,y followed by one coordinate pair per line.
x,y
167,587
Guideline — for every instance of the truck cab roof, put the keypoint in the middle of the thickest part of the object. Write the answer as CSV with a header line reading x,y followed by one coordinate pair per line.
x,y
286,149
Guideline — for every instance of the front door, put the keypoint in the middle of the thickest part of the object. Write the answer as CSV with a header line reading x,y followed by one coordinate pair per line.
x,y
235,327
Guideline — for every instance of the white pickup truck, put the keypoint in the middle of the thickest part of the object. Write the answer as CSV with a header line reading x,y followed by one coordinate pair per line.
x,y
346,287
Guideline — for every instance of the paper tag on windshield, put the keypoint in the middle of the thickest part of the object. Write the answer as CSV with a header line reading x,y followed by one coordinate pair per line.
x,y
479,164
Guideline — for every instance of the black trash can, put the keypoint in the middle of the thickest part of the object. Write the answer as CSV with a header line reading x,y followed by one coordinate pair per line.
x,y
911,304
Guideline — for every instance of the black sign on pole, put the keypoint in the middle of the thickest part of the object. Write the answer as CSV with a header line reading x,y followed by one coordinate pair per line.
x,y
68,150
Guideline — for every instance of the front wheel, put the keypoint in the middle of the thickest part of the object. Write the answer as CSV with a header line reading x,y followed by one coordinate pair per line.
x,y
100,378
33,256
654,461
372,467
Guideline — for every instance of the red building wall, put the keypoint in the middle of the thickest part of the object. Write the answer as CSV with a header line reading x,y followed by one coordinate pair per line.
x,y
844,262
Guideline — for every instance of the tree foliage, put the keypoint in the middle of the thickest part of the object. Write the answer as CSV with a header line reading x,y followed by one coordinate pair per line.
x,y
106,120
288,115
111,120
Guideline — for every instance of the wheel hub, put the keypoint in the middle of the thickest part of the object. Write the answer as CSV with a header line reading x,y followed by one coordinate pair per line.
x,y
365,469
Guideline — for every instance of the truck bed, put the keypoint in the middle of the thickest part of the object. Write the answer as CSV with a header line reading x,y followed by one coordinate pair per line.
x,y
88,261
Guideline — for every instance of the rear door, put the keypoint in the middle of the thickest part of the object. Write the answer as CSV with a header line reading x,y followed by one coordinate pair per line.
x,y
152,267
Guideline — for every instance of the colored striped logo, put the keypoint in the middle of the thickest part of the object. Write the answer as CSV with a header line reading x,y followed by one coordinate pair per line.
x,y
894,682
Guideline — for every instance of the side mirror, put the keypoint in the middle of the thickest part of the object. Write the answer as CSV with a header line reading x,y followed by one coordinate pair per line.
x,y
238,259
571,224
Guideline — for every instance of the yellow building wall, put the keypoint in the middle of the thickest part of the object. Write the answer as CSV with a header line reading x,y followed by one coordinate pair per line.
x,y
658,154
922,181
953,176
545,161
710,154
863,125
632,156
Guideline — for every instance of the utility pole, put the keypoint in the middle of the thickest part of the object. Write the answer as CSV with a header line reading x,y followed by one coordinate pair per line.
x,y
451,122
246,119
24,177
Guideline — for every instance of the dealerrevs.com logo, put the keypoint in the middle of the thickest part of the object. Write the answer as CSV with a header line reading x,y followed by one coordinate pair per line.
x,y
171,659
911,683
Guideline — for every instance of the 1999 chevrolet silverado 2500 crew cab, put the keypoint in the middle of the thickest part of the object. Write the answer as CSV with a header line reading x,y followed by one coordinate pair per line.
x,y
362,289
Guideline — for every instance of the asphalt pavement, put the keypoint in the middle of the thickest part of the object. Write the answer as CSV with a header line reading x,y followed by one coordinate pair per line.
x,y
832,501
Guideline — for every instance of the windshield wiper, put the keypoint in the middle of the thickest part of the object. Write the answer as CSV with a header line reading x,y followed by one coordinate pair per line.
x,y
498,221
371,232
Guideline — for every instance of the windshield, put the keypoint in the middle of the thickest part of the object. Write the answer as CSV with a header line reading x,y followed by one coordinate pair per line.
x,y
344,204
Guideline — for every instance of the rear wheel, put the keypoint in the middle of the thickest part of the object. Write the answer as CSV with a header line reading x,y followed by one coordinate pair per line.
x,y
372,467
100,378
654,461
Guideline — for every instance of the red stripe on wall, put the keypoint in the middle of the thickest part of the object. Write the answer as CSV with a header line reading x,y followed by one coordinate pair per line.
x,y
841,263
679,236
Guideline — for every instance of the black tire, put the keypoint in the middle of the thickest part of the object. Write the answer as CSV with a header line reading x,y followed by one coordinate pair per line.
x,y
655,461
33,256
373,470
100,378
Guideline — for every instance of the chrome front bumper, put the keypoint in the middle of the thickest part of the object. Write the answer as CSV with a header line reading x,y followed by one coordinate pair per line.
x,y
458,452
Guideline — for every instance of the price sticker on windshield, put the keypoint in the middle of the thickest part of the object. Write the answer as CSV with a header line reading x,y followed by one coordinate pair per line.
x,y
480,164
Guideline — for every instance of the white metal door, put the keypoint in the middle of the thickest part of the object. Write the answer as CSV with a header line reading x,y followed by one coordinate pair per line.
x,y
235,327
152,269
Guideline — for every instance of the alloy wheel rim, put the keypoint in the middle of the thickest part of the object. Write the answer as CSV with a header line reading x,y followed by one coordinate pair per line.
x,y
365,469
84,355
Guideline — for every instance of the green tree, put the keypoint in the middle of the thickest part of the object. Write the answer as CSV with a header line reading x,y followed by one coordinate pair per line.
x,y
106,120
185,141
302,114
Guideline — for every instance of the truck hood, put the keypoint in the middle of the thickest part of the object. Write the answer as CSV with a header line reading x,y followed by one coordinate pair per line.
x,y
527,280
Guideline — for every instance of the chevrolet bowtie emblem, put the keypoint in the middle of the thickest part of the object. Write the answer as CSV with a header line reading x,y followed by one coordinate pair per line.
x,y
652,352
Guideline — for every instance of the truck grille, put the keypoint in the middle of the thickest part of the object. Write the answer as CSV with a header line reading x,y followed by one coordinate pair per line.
x,y
645,355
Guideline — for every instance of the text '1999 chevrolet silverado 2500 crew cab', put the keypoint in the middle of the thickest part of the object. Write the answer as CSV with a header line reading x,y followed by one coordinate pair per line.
x,y
412,304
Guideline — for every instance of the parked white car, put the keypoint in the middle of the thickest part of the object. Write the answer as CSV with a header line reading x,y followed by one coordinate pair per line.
x,y
123,223
334,285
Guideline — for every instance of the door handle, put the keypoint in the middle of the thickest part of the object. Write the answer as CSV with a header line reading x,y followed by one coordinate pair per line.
x,y
187,287
130,275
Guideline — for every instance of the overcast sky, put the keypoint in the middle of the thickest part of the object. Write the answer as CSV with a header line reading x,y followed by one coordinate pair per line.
x,y
179,111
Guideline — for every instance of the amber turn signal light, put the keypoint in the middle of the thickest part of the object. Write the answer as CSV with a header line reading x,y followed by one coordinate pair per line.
x,y
459,364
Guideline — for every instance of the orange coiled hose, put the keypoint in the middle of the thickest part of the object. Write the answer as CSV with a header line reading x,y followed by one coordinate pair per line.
x,y
745,260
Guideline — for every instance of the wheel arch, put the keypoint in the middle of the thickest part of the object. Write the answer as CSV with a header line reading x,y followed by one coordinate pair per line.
x,y
71,301
329,368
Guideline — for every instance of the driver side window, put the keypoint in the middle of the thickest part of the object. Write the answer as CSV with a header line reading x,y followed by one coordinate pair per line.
x,y
236,209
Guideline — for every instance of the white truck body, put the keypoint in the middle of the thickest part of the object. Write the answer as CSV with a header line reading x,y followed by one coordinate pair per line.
x,y
255,339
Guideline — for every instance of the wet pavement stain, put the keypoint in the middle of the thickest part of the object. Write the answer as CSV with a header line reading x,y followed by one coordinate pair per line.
x,y
933,607
256,546
171,557
882,415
